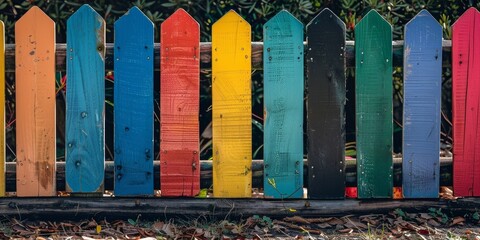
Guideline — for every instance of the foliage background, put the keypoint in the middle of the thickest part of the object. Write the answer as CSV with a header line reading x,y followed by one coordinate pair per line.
x,y
256,12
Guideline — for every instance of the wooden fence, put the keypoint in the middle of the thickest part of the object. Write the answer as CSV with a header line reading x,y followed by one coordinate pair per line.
x,y
327,55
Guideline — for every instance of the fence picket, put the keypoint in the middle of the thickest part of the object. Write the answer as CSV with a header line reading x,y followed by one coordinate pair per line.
x,y
465,101
85,101
35,104
326,106
422,102
179,104
231,104
283,106
133,100
373,50
2,109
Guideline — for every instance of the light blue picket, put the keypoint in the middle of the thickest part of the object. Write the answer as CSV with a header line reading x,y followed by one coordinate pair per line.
x,y
85,101
133,54
283,84
422,103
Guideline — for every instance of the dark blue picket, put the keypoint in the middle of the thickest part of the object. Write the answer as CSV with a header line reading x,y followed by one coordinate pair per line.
x,y
283,84
422,103
85,101
133,54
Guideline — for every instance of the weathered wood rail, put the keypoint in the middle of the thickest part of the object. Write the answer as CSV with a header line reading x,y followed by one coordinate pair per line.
x,y
157,208
206,55
257,174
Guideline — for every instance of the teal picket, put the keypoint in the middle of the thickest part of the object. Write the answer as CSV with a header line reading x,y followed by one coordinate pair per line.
x,y
283,89
85,101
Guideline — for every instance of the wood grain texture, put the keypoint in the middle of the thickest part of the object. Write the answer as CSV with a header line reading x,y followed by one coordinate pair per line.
x,y
465,101
2,110
179,104
326,106
35,104
373,36
133,100
283,106
85,118
231,103
422,81
206,57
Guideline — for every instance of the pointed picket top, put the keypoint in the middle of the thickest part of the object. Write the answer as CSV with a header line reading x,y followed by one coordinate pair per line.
x,y
423,17
85,9
134,14
181,18
231,17
325,14
467,16
283,16
36,16
373,15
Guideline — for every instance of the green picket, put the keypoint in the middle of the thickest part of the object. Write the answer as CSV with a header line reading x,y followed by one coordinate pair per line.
x,y
373,56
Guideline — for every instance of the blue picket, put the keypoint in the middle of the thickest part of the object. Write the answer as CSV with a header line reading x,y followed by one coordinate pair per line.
x,y
85,101
133,54
422,103
283,89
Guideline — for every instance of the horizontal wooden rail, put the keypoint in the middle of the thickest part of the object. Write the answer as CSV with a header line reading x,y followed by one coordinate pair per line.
x,y
206,56
257,174
155,208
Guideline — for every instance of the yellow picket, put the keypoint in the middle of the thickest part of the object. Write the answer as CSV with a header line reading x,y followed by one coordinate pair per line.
x,y
231,104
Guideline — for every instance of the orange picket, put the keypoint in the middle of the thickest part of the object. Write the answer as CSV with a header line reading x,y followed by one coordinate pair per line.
x,y
35,104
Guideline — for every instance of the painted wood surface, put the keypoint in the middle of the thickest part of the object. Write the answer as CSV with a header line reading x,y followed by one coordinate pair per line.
x,y
179,104
2,110
465,101
85,101
326,106
133,100
35,104
231,104
283,106
373,51
422,81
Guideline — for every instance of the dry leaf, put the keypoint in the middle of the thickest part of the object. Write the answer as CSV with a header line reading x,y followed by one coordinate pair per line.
x,y
324,225
446,190
433,223
346,230
425,216
335,221
423,231
297,219
319,220
92,224
457,220
158,225
355,224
